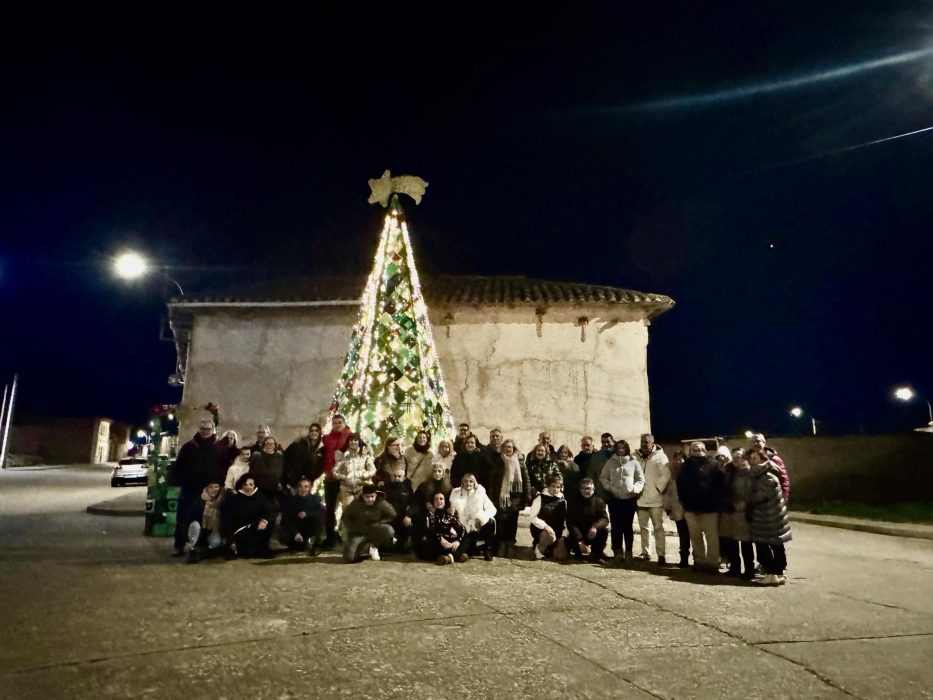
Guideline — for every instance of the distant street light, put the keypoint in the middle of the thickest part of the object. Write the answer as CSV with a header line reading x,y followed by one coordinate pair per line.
x,y
797,412
130,265
905,393
749,434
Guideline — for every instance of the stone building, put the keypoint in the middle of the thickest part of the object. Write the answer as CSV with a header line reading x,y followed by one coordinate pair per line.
x,y
517,353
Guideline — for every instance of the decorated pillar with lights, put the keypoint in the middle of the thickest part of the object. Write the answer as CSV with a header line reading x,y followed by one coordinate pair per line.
x,y
391,383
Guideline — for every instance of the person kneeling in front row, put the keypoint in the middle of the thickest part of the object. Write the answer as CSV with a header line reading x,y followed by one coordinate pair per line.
x,y
587,523
476,513
548,514
366,522
445,533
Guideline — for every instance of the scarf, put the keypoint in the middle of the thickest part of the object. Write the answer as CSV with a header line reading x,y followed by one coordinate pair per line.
x,y
211,518
513,476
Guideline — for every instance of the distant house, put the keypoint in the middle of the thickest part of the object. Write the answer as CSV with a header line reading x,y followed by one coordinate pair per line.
x,y
517,353
70,440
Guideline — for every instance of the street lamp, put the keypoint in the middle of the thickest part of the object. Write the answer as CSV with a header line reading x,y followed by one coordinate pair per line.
x,y
905,393
130,265
797,412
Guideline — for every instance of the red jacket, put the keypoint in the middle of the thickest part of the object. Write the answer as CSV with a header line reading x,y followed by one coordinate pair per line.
x,y
334,441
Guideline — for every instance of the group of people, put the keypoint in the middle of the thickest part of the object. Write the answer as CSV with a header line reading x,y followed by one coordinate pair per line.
x,y
462,499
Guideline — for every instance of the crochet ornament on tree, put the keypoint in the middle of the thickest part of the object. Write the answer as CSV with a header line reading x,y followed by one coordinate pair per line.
x,y
391,384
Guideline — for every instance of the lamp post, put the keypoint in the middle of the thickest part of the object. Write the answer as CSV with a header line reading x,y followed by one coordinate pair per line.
x,y
130,265
798,412
905,393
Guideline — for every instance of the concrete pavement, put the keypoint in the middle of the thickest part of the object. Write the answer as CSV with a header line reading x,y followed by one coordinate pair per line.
x,y
93,609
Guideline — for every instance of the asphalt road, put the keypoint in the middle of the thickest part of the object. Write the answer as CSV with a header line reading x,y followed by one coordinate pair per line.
x,y
91,608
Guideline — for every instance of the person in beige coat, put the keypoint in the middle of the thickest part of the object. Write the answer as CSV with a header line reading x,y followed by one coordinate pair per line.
x,y
657,472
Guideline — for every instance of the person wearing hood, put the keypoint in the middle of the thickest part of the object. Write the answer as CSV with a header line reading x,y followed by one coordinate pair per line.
x,y
303,518
390,459
227,451
304,457
477,514
194,468
419,458
204,532
471,459
700,487
623,483
548,515
367,522
657,471
239,467
354,467
248,520
767,514
510,486
266,467
445,455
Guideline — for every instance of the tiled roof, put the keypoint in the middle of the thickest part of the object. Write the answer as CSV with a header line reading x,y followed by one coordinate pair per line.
x,y
446,289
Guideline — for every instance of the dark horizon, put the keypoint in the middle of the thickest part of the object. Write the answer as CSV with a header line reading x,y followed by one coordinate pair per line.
x,y
713,157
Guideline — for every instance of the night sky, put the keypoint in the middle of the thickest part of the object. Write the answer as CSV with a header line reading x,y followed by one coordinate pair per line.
x,y
696,153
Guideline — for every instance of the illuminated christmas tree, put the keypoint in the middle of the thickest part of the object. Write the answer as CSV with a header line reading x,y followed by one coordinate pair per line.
x,y
391,384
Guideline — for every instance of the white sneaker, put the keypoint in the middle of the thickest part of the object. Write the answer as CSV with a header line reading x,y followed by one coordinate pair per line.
x,y
373,553
770,580
538,553
781,580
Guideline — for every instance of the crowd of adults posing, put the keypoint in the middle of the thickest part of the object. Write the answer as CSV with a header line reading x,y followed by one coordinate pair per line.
x,y
461,498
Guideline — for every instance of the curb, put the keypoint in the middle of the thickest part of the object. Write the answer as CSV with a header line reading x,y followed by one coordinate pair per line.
x,y
892,530
103,509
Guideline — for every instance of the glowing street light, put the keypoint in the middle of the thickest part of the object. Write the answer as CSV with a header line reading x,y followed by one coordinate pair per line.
x,y
905,393
130,265
798,412
749,434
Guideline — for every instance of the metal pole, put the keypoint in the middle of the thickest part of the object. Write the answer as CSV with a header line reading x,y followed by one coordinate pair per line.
x,y
6,390
813,424
9,423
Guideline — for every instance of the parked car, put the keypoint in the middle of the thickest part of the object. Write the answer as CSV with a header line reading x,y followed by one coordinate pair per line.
x,y
132,470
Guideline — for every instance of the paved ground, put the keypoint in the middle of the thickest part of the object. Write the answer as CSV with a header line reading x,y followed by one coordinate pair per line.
x,y
90,608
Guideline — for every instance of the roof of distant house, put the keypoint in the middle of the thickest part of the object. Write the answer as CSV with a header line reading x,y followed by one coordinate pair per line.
x,y
445,289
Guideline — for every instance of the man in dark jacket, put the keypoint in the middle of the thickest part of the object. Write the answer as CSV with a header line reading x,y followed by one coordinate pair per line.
x,y
701,489
400,496
598,460
304,457
587,523
194,468
303,518
367,521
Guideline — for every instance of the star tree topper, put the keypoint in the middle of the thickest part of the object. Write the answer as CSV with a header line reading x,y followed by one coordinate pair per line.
x,y
384,187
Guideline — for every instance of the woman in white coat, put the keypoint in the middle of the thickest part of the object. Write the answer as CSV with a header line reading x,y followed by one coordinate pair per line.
x,y
477,514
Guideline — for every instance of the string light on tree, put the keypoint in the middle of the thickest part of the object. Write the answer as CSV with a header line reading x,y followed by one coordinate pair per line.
x,y
391,383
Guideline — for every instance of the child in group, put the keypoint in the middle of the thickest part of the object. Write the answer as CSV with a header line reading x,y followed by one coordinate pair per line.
x,y
354,467
476,513
303,519
399,494
548,517
445,532
770,529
